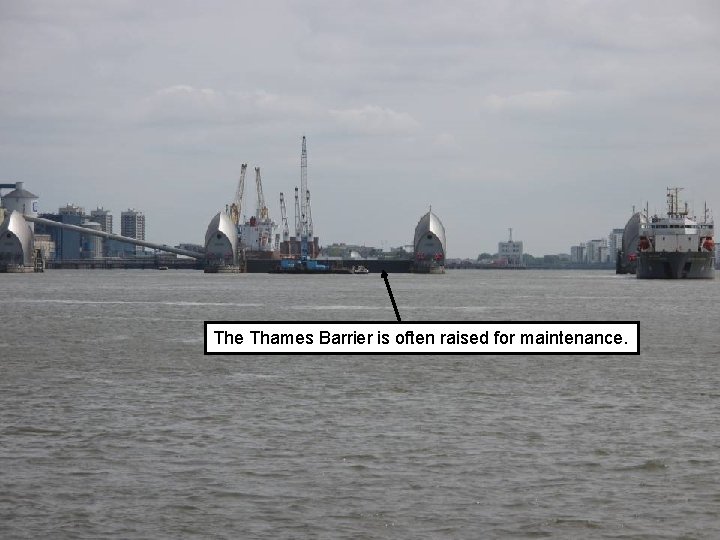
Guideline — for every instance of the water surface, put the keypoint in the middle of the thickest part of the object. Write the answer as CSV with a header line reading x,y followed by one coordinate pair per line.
x,y
114,424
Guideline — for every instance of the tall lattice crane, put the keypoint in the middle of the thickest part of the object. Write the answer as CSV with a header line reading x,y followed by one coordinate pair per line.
x,y
262,211
303,219
309,226
298,221
236,206
283,215
303,189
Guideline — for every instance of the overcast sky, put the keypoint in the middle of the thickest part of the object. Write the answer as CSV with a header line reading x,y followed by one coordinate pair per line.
x,y
550,117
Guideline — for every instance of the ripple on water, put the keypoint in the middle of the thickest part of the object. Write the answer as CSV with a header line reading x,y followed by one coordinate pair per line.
x,y
114,424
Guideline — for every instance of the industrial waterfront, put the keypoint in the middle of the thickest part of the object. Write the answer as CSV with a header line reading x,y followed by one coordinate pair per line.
x,y
239,240
114,424
192,192
234,242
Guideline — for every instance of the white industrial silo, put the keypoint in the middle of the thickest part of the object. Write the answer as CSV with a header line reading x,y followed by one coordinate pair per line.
x,y
22,201
92,246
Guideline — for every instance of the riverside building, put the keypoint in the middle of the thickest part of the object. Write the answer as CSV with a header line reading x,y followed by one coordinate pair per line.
x,y
132,225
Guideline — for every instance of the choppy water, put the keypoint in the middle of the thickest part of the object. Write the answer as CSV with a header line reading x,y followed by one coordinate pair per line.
x,y
114,424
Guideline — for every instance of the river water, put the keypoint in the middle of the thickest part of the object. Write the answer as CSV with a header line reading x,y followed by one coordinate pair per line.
x,y
113,424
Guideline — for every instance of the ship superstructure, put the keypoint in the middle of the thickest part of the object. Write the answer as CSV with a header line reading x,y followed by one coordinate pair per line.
x,y
677,245
257,235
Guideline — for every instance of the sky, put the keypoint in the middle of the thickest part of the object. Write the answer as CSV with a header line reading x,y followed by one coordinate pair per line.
x,y
553,118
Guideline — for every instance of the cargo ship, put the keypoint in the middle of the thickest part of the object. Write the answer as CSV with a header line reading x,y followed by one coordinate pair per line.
x,y
676,246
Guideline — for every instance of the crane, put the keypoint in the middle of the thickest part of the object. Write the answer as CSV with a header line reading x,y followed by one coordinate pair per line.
x,y
303,189
309,225
303,219
298,223
262,211
299,233
236,206
283,214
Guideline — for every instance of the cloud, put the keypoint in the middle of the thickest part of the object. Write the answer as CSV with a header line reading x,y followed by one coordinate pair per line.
x,y
640,26
504,96
544,100
444,141
374,120
187,104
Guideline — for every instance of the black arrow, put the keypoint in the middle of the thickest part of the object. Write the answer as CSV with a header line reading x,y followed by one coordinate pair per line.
x,y
383,275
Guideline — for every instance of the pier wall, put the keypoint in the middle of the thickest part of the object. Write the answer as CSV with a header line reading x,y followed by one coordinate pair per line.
x,y
391,266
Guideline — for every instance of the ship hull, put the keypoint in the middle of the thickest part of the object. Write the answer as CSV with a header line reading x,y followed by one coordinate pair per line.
x,y
624,265
429,268
675,265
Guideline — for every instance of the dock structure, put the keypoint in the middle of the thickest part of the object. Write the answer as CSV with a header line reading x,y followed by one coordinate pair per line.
x,y
19,253
111,236
126,263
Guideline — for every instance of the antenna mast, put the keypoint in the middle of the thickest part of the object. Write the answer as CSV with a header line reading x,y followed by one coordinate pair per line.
x,y
673,195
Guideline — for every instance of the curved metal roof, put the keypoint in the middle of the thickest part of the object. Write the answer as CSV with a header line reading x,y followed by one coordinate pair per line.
x,y
430,223
15,223
631,233
221,223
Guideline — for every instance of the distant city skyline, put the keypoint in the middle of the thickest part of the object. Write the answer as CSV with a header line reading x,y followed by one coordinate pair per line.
x,y
554,118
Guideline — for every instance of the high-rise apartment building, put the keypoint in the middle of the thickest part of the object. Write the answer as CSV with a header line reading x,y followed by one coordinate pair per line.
x,y
577,253
71,209
104,218
597,251
132,225
615,243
